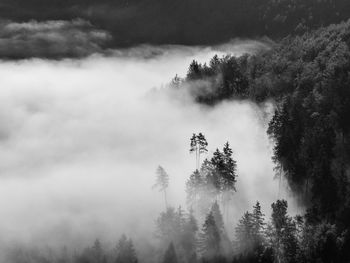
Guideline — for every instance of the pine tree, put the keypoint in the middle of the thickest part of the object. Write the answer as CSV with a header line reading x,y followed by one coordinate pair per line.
x,y
170,254
125,251
97,251
243,234
170,226
194,147
162,183
218,163
225,245
193,187
189,237
250,234
284,233
176,82
230,166
210,238
198,145
194,71
228,177
202,146
258,223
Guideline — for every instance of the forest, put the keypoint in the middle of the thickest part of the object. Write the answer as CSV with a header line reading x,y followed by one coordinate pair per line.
x,y
306,75
308,79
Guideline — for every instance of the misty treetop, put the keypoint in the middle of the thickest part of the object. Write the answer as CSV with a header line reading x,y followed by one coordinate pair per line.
x,y
162,182
198,145
307,78
215,179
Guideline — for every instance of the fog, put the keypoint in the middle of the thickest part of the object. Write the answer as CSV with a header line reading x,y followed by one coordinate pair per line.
x,y
80,141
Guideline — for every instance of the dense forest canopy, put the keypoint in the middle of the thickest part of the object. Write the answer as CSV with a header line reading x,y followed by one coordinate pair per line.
x,y
307,77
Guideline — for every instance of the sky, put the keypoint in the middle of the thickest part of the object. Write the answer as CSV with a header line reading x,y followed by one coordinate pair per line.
x,y
80,141
59,29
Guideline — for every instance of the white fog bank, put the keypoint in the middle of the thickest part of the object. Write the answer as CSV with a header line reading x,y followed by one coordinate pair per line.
x,y
80,143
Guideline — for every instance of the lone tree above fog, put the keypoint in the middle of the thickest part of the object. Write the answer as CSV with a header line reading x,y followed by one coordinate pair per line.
x,y
162,182
198,145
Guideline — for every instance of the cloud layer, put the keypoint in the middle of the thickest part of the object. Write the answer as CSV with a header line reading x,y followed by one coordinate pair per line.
x,y
51,39
80,142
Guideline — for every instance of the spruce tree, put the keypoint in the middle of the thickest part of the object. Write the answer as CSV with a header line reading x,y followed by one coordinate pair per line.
x,y
189,237
230,166
170,255
125,251
258,223
225,244
202,145
210,241
193,187
243,234
194,147
284,239
162,183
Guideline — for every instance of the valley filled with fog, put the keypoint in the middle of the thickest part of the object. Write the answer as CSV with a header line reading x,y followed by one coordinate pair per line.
x,y
80,141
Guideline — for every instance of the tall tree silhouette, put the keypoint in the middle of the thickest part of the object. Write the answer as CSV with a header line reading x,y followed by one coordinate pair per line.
x,y
202,146
198,145
162,183
125,251
209,240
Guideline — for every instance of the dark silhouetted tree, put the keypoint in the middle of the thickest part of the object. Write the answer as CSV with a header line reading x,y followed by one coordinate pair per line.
x,y
209,239
125,251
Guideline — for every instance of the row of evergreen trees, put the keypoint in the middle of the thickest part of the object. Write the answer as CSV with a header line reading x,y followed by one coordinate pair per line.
x,y
123,252
282,239
307,77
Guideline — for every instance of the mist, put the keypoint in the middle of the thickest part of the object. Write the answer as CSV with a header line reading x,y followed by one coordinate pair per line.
x,y
80,141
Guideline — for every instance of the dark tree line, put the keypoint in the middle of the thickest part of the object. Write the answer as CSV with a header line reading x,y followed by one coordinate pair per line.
x,y
307,77
123,252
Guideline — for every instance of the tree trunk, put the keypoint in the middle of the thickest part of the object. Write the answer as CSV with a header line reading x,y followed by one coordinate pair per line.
x,y
165,200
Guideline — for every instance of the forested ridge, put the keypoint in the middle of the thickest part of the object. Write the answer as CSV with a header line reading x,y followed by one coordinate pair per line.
x,y
307,77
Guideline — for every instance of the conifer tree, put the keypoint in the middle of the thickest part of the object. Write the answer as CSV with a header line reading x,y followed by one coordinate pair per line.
x,y
170,255
198,145
202,145
243,234
230,166
258,223
210,241
189,237
218,168
162,183
125,251
169,226
225,244
284,233
194,71
194,147
193,186
97,251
